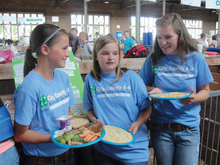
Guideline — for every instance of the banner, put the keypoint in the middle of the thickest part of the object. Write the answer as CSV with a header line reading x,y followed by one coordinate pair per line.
x,y
212,4
196,3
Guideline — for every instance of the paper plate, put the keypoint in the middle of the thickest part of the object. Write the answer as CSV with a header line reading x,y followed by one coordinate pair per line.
x,y
161,96
77,146
120,144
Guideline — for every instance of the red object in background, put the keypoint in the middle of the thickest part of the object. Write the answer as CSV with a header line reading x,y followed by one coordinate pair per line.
x,y
7,55
211,53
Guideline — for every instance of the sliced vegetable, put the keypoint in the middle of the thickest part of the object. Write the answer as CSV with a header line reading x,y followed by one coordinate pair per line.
x,y
94,138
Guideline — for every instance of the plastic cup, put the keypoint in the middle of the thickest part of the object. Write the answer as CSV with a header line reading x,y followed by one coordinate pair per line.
x,y
65,123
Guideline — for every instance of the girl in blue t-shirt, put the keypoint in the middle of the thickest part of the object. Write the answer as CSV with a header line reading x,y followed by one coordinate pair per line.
x,y
43,96
176,66
117,97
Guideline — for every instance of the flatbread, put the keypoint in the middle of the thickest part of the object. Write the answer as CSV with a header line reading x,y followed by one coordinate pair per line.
x,y
171,94
117,135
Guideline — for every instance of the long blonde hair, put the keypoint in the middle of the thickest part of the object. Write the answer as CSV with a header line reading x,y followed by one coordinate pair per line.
x,y
99,44
185,43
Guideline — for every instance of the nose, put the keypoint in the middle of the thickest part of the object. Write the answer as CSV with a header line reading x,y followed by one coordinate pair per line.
x,y
163,41
110,57
67,53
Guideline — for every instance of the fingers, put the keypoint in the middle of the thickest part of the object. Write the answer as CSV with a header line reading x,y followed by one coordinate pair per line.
x,y
191,90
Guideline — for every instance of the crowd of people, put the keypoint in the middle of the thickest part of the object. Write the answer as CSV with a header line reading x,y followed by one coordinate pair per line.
x,y
175,65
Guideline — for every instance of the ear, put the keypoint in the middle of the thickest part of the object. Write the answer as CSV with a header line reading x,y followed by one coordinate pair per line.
x,y
45,49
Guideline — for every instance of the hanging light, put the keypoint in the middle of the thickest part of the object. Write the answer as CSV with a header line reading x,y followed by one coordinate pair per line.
x,y
106,1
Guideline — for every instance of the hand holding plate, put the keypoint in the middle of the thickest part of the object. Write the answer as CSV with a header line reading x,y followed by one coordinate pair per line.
x,y
189,100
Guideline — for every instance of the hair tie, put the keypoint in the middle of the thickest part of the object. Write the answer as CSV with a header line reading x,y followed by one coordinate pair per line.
x,y
29,48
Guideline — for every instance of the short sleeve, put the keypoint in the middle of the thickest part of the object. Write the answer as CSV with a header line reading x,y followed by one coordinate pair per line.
x,y
87,96
204,75
143,100
25,108
146,72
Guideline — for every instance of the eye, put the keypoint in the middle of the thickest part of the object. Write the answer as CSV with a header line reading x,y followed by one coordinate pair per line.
x,y
116,53
158,38
168,37
105,53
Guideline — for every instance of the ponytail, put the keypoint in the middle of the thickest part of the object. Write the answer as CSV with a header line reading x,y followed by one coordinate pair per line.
x,y
29,63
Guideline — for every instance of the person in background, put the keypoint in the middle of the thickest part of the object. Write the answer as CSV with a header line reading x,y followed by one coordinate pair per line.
x,y
211,46
129,42
70,36
125,101
37,106
214,41
96,36
218,40
8,152
176,66
135,41
85,49
75,42
202,40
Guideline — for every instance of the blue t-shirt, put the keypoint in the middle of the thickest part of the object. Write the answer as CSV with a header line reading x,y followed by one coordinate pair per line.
x,y
38,103
119,104
170,76
128,44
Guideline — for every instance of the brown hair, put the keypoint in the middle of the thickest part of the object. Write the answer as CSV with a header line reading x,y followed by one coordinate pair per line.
x,y
99,44
185,43
38,36
84,34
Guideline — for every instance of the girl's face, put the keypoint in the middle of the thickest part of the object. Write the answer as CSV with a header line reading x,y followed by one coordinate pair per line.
x,y
58,53
167,39
108,58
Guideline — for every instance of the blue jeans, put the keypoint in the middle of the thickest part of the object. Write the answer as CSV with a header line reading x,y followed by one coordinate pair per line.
x,y
175,147
10,156
69,161
100,159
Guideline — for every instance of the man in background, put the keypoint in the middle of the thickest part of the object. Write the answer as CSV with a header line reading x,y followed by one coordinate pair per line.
x,y
75,42
129,42
96,36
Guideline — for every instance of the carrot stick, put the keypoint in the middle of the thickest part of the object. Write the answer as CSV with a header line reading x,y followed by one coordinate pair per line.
x,y
74,143
94,138
97,134
87,138
84,134
69,142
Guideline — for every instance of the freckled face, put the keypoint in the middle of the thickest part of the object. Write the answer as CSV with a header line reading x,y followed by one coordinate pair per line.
x,y
167,39
108,58
58,53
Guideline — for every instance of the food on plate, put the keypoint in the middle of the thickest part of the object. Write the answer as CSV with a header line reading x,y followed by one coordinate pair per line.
x,y
65,122
77,122
171,94
78,136
95,127
117,135
75,131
